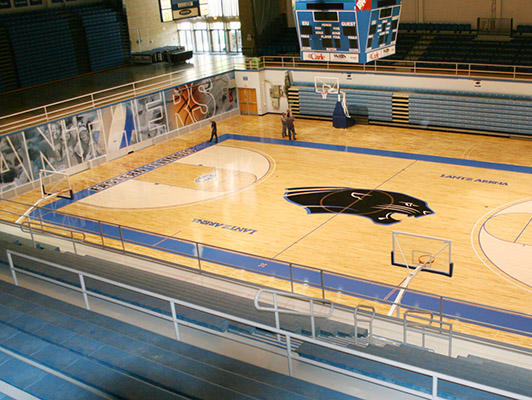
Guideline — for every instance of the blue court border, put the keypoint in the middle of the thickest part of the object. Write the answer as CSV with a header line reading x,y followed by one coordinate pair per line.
x,y
477,314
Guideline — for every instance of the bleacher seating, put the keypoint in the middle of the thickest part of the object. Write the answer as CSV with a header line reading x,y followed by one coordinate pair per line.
x,y
405,43
471,113
435,27
42,47
450,110
8,73
104,41
180,290
54,350
375,105
449,42
53,44
465,49
284,42
499,375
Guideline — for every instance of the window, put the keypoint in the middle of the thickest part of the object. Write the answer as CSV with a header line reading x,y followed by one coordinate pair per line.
x,y
218,40
217,30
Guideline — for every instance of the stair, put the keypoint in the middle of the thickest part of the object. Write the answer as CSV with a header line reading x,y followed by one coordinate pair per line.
x,y
79,40
419,48
8,73
293,100
400,106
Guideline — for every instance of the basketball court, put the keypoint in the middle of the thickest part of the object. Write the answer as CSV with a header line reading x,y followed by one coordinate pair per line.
x,y
326,203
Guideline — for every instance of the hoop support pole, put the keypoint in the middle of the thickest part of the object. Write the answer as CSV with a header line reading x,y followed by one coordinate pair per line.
x,y
33,207
397,301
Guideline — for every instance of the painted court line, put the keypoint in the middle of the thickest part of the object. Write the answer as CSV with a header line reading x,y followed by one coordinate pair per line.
x,y
348,285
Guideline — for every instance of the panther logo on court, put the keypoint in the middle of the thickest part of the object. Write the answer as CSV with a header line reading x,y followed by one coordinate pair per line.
x,y
378,205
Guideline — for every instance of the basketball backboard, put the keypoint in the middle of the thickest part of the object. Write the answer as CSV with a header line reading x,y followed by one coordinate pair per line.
x,y
410,251
54,183
326,85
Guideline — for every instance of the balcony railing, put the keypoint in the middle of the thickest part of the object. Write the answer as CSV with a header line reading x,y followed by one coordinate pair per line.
x,y
51,112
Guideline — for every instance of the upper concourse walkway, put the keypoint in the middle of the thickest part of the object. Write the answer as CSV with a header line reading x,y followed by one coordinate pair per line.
x,y
33,106
200,66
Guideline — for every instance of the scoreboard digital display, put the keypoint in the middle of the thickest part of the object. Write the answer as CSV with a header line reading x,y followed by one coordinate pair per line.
x,y
172,10
355,31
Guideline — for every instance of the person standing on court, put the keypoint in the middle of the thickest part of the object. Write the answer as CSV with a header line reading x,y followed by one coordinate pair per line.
x,y
290,127
283,123
214,131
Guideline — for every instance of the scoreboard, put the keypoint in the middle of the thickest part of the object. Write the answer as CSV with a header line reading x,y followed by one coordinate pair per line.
x,y
172,10
352,31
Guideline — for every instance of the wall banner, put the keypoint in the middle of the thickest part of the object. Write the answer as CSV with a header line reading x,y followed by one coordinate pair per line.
x,y
66,143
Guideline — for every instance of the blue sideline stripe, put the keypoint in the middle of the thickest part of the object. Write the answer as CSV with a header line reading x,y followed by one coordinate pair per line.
x,y
384,153
120,233
349,285
265,266
481,315
145,238
489,316
178,246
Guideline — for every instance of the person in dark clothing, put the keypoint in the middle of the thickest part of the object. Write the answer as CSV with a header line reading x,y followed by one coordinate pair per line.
x,y
214,132
290,127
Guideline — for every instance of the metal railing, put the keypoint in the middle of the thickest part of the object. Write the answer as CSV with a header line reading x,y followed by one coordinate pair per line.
x,y
363,311
278,310
288,276
289,337
414,321
408,67
91,101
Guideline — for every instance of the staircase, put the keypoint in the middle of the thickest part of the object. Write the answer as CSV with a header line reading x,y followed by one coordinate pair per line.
x,y
8,73
400,107
419,48
79,40
293,100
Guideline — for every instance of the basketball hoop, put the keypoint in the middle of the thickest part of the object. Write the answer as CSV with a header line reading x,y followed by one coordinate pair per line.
x,y
326,85
426,260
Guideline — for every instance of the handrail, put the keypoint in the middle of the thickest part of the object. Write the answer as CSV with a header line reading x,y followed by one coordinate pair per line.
x,y
90,101
195,252
370,311
43,114
427,328
277,310
289,336
41,228
471,70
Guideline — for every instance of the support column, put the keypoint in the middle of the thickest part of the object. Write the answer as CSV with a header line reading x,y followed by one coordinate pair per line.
x,y
247,26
